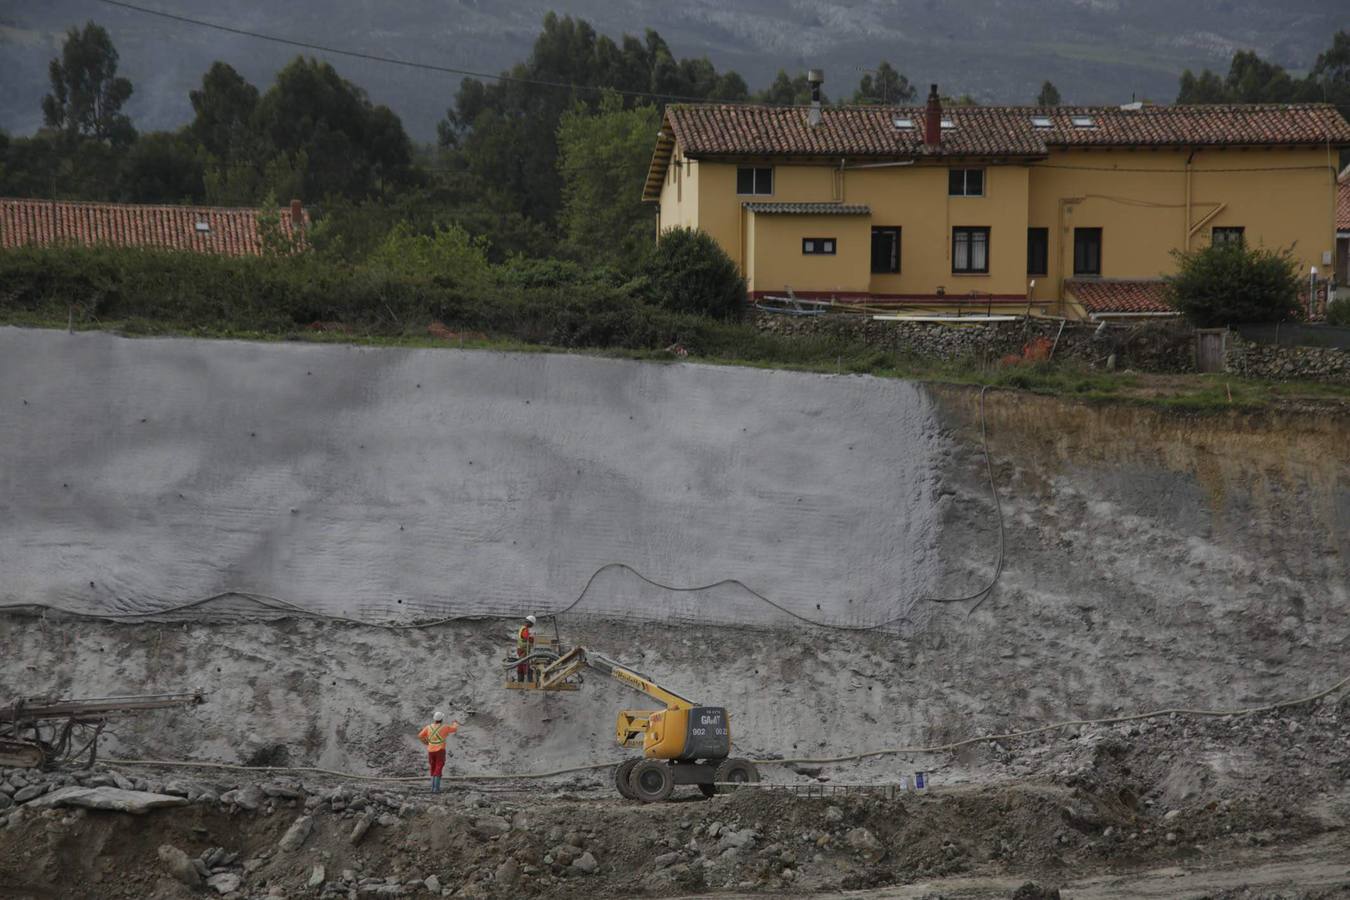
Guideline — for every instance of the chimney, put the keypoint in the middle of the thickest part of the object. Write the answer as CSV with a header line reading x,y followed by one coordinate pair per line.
x,y
815,78
932,120
297,214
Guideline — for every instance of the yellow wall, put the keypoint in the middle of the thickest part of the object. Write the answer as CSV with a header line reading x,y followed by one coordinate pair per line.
x,y
1138,198
776,262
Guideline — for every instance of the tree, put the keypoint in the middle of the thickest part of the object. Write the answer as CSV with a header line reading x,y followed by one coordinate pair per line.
x,y
161,167
1049,95
689,272
87,94
1203,88
350,147
788,91
1230,284
603,158
223,114
1331,73
888,87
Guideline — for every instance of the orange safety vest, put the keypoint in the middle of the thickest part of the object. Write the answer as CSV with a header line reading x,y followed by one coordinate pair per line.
x,y
434,735
524,640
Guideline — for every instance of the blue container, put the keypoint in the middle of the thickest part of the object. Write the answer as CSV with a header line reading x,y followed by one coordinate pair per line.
x,y
919,781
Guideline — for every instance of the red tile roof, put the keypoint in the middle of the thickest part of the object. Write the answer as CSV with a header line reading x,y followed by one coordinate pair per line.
x,y
749,130
1343,201
1112,296
232,231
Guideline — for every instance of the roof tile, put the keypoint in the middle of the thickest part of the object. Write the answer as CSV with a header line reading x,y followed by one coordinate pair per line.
x,y
808,209
233,231
1120,296
751,130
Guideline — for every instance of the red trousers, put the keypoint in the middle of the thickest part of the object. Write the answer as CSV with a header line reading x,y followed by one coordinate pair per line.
x,y
437,760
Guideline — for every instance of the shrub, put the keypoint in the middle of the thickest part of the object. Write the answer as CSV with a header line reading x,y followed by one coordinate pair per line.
x,y
689,272
1230,284
1338,313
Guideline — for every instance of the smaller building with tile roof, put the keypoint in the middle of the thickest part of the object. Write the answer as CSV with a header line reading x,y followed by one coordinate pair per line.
x,y
230,231
1073,211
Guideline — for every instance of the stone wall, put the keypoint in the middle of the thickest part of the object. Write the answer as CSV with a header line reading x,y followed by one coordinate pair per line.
x,y
1287,363
1148,347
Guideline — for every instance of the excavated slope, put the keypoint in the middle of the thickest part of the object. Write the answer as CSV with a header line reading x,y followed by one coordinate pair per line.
x,y
1152,558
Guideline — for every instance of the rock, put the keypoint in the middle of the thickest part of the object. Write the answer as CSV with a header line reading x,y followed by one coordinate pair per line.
x,y
29,792
489,825
249,797
1033,891
1171,814
507,874
585,863
737,840
834,815
275,789
389,820
224,883
360,829
296,835
667,859
109,798
123,782
179,865
6,801
433,884
808,771
317,876
866,843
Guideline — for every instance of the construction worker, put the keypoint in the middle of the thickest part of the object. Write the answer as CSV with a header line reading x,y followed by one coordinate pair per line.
x,y
524,647
434,736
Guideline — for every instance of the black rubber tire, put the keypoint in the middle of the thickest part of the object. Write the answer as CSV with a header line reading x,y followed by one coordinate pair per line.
x,y
621,775
652,781
742,771
708,790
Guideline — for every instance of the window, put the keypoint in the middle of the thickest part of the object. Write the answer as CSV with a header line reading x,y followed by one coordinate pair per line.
x,y
1083,121
970,249
754,180
1042,122
885,250
818,246
965,183
903,122
1038,251
1231,235
1087,251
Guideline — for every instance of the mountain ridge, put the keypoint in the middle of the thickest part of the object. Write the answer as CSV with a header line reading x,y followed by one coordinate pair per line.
x,y
998,51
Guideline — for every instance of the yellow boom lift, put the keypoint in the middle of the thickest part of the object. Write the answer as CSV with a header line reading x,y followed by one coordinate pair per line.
x,y
682,743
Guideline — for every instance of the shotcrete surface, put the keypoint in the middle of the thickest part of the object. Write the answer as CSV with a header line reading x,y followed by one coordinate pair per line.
x,y
385,483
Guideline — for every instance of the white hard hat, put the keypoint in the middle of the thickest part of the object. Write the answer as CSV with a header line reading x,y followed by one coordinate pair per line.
x,y
437,716
530,619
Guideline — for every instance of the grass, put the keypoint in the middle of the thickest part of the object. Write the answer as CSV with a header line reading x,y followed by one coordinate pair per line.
x,y
1195,393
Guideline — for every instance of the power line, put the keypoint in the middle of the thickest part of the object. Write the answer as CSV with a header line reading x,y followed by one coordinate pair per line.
x,y
392,60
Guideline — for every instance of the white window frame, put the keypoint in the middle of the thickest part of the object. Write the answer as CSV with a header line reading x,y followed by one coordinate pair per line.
x,y
965,181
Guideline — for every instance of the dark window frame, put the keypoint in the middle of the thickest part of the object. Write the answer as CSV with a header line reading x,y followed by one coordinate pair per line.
x,y
964,177
1087,253
1231,234
1038,251
968,232
821,241
756,173
892,266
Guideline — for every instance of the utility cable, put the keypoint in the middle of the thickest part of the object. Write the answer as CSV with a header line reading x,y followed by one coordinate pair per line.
x,y
392,60
1240,712
283,605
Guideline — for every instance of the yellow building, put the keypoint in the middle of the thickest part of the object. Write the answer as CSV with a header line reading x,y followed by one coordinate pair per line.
x,y
961,209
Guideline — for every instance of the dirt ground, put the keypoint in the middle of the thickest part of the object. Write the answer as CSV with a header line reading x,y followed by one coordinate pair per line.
x,y
1173,807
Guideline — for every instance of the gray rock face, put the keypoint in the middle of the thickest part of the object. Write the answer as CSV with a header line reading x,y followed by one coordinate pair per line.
x,y
109,798
585,863
317,876
866,843
179,865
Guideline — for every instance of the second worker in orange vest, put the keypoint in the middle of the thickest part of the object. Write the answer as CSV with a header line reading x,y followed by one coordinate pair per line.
x,y
434,736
